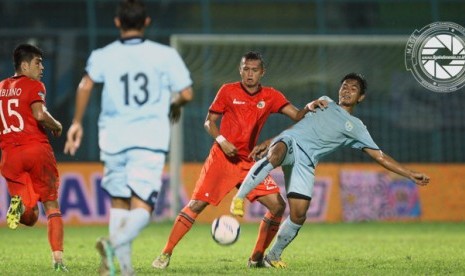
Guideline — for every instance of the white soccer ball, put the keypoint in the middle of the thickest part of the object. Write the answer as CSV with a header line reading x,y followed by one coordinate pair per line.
x,y
225,230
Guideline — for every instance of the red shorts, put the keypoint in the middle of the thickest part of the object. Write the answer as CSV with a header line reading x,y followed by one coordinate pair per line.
x,y
31,172
220,175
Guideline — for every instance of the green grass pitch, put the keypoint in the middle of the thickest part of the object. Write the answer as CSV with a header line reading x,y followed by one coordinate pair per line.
x,y
319,249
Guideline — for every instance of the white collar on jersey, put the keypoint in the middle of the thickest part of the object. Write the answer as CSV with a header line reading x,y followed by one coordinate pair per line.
x,y
132,40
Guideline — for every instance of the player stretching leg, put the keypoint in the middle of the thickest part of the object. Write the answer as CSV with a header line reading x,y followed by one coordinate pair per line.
x,y
299,148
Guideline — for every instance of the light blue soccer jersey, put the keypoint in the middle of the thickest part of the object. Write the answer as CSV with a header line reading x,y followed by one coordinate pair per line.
x,y
139,78
324,131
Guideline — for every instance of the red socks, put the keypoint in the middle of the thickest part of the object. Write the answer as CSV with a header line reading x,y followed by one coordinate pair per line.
x,y
266,232
55,229
182,225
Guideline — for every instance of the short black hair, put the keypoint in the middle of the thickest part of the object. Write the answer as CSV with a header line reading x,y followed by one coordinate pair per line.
x,y
358,77
25,52
132,14
252,55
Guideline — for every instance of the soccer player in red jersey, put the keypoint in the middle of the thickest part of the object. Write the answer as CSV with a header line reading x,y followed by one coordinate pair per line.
x,y
244,107
28,163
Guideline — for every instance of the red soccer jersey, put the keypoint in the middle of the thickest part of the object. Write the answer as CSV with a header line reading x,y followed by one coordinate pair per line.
x,y
17,124
244,114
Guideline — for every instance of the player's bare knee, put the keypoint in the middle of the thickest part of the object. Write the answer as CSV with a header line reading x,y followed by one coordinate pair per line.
x,y
280,207
277,210
298,219
48,205
197,206
276,154
120,203
298,216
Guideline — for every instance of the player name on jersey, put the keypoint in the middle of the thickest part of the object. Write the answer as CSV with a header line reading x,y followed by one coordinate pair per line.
x,y
10,92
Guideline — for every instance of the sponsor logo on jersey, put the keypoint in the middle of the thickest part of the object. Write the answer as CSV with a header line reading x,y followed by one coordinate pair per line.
x,y
269,183
238,102
261,104
349,126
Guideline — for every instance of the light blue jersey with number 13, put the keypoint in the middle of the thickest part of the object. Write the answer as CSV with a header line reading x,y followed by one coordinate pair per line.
x,y
139,77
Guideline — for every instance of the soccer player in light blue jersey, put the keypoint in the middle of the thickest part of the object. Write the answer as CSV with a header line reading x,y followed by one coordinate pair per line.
x,y
144,85
298,150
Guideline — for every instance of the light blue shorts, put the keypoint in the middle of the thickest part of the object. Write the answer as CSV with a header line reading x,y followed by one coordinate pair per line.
x,y
134,171
299,171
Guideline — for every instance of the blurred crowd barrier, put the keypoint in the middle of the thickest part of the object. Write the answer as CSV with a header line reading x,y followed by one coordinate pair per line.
x,y
342,193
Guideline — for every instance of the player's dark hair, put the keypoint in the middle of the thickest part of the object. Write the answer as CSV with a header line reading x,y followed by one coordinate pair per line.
x,y
132,14
25,52
358,77
254,56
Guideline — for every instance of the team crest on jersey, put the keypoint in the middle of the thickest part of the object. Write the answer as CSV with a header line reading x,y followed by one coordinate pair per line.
x,y
261,104
42,95
349,126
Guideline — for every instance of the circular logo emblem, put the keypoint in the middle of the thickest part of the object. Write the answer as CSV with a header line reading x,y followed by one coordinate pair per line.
x,y
436,56
349,126
261,104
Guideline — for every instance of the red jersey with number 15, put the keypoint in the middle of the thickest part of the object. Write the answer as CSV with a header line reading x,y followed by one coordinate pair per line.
x,y
244,114
17,124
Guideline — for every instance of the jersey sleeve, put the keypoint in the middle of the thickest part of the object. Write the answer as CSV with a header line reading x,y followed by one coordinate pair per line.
x,y
94,67
178,73
362,139
219,103
38,93
279,101
326,98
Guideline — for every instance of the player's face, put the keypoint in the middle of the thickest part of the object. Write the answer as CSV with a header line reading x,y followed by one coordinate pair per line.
x,y
33,69
349,93
251,72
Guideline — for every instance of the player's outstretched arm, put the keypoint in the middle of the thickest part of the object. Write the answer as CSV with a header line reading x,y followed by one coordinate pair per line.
x,y
259,151
296,115
75,131
314,105
394,166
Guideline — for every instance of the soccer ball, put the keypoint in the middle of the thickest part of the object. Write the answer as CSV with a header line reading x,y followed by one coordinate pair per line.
x,y
225,230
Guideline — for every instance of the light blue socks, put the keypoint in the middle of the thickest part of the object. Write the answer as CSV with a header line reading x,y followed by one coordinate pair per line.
x,y
121,238
256,175
287,232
